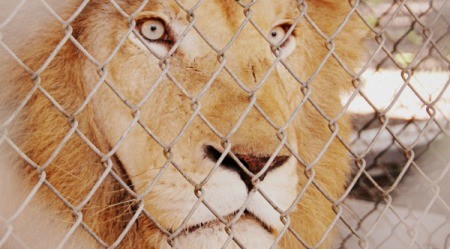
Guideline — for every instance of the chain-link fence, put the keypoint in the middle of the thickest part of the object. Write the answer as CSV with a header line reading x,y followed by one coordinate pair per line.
x,y
225,124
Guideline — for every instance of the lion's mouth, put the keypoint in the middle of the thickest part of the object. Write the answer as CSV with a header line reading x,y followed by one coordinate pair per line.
x,y
216,223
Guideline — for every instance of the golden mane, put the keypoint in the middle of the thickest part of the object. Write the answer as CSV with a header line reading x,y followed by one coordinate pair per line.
x,y
51,136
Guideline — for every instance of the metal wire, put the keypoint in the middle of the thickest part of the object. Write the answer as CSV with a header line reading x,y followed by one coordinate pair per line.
x,y
403,135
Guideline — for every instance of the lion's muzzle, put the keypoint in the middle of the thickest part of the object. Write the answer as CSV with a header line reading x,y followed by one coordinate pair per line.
x,y
253,165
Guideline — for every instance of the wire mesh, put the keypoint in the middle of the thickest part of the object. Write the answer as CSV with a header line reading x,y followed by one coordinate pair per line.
x,y
397,193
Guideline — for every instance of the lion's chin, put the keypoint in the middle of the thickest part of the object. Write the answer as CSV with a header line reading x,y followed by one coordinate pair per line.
x,y
216,223
248,230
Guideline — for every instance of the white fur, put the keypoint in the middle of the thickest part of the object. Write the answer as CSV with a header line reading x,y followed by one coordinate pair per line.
x,y
247,232
227,193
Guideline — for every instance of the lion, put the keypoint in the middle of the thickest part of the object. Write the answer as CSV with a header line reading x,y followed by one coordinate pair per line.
x,y
181,124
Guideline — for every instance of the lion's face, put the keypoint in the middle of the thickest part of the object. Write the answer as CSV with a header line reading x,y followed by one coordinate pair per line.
x,y
187,112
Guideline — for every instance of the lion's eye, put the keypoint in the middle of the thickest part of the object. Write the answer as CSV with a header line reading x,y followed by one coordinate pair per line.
x,y
153,30
277,34
155,35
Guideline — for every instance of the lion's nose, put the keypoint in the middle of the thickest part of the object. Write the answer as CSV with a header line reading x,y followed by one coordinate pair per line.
x,y
254,164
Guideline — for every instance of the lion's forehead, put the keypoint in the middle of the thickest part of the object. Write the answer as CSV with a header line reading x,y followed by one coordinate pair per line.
x,y
228,11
